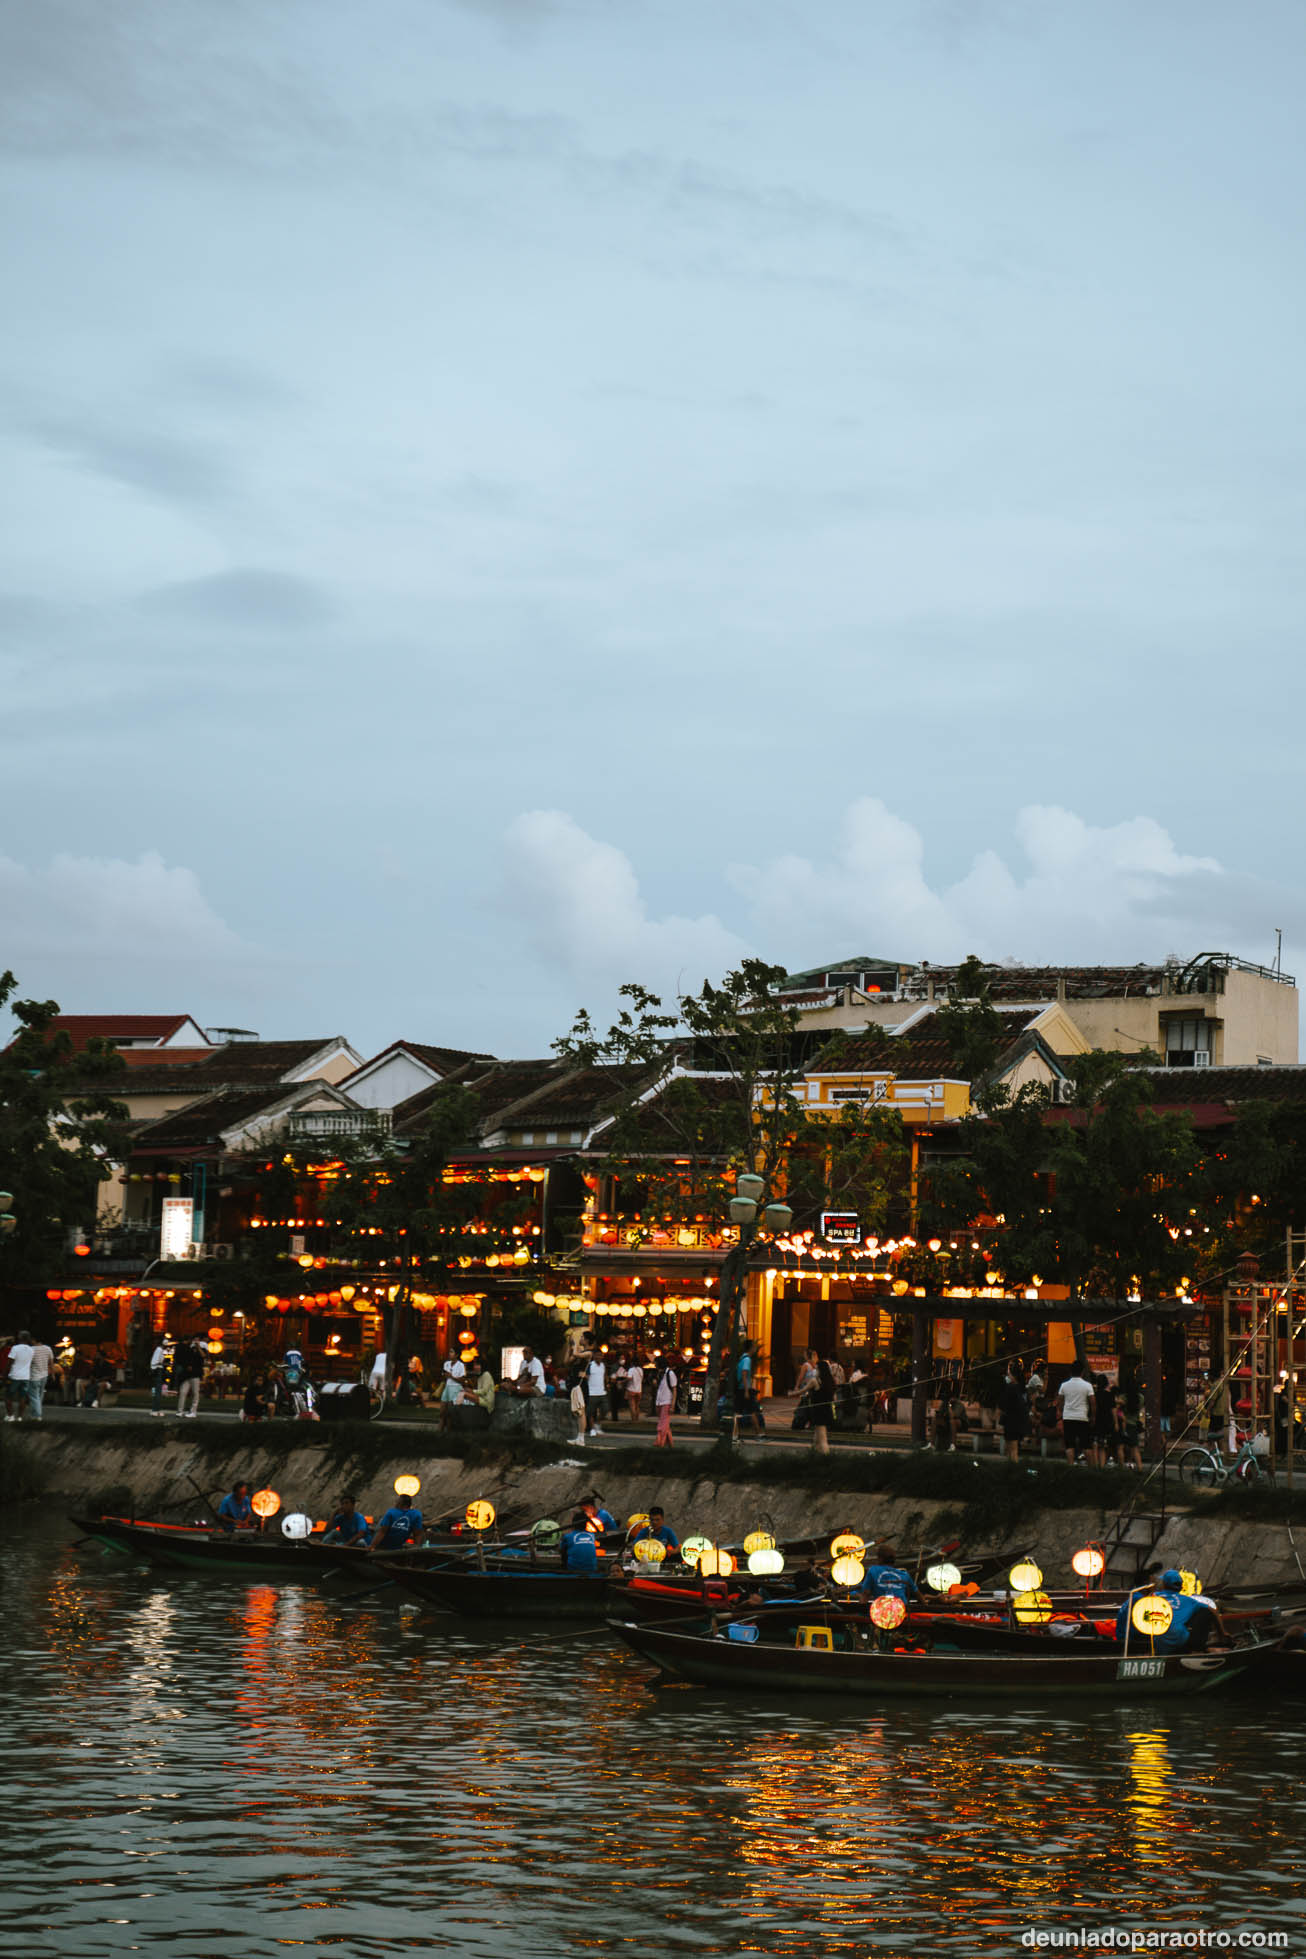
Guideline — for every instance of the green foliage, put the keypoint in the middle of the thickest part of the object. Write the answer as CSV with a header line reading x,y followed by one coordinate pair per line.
x,y
61,1131
971,1026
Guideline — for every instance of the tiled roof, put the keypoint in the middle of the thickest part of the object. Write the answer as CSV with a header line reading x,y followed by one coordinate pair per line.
x,y
82,1029
918,1054
493,1086
581,1097
1227,1087
203,1122
164,1057
443,1060
862,962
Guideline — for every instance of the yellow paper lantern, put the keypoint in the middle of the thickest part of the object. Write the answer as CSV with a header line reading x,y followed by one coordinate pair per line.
x,y
265,1503
715,1564
847,1545
1025,1576
639,1521
848,1571
1032,1608
942,1577
693,1549
407,1485
1088,1563
1152,1614
888,1611
479,1514
766,1562
650,1550
759,1540
1190,1584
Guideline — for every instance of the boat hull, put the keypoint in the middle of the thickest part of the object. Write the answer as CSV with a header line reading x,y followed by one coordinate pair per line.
x,y
516,1595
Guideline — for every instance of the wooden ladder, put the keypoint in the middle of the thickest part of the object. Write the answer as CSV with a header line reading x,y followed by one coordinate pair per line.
x,y
1129,1543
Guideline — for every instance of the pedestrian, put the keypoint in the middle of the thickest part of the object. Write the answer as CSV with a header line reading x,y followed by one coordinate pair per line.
x,y
617,1386
635,1388
664,1400
576,1401
187,1373
451,1389
18,1380
159,1363
1013,1408
596,1389
1103,1452
822,1408
255,1405
1129,1418
1076,1397
376,1373
38,1379
747,1406
805,1388
943,1441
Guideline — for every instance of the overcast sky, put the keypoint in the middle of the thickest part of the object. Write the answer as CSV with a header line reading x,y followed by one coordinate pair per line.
x,y
504,498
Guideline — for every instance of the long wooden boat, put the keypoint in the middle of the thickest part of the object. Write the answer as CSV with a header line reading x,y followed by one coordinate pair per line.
x,y
195,1547
502,1592
776,1663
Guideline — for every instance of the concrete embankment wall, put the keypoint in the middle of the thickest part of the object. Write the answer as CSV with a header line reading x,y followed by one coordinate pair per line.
x,y
154,1474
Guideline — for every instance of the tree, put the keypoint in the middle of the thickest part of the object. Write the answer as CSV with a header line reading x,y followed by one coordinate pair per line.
x,y
972,1026
61,1132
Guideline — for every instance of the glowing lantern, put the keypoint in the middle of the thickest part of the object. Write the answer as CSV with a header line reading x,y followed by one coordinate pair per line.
x,y
1088,1563
1152,1614
1025,1576
479,1514
347,1293
847,1545
1190,1584
694,1548
888,1611
295,1524
650,1550
715,1564
1032,1608
758,1540
942,1577
547,1534
407,1485
847,1570
265,1503
640,1521
766,1563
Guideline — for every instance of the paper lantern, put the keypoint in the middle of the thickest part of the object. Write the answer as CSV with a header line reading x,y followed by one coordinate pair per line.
x,y
639,1521
942,1577
847,1545
715,1564
888,1611
759,1540
1152,1614
547,1534
766,1563
693,1549
1025,1576
847,1571
407,1485
296,1525
1032,1608
1190,1584
265,1503
650,1550
479,1514
1088,1563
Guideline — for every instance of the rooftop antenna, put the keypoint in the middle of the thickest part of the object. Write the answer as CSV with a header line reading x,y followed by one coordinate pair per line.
x,y
1278,951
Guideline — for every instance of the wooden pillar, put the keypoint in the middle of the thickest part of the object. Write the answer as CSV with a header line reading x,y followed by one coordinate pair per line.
x,y
920,1373
1152,1384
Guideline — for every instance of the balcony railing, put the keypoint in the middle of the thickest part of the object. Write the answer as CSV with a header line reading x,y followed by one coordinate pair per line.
x,y
600,1235
314,1123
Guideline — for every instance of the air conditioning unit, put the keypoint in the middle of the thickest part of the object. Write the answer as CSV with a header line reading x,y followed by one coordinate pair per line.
x,y
219,1251
1063,1091
1201,1058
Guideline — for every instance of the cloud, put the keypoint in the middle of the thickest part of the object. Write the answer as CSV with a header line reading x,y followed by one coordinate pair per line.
x,y
107,908
581,903
244,597
176,469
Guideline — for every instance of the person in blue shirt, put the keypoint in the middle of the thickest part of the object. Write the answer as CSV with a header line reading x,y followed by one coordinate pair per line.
x,y
884,1577
235,1512
596,1517
658,1527
401,1523
579,1551
1193,1619
348,1525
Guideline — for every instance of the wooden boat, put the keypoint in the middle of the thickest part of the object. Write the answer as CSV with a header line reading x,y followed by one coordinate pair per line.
x,y
507,1591
195,1547
777,1663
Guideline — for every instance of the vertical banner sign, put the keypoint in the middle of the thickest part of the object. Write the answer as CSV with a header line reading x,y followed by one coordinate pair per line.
x,y
175,1227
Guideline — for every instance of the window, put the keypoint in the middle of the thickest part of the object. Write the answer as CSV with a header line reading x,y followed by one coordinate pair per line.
x,y
1188,1042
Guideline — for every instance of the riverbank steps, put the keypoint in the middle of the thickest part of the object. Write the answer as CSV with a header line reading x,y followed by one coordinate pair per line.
x,y
142,1470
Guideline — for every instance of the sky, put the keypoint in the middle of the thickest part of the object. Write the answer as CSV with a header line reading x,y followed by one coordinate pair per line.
x,y
505,497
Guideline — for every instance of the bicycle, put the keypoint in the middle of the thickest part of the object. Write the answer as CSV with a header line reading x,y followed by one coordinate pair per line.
x,y
1205,1469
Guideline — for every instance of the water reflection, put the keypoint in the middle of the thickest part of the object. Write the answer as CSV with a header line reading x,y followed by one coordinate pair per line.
x,y
209,1765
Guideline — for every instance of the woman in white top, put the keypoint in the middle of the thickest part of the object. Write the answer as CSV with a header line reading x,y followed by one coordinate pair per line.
x,y
596,1388
665,1401
634,1389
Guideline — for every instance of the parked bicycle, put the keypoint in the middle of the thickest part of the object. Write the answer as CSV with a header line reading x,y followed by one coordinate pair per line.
x,y
1206,1469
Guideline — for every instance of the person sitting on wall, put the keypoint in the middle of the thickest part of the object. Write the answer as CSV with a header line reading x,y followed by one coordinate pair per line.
x,y
530,1375
236,1512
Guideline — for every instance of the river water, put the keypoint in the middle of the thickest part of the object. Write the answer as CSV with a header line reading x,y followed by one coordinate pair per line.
x,y
213,1766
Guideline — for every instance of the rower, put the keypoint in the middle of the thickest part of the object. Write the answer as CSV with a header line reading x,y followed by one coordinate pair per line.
x,y
236,1512
597,1519
580,1553
885,1578
401,1523
1193,1619
348,1525
657,1527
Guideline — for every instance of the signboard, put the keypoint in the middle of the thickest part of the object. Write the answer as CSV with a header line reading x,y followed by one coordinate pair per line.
x,y
841,1228
175,1227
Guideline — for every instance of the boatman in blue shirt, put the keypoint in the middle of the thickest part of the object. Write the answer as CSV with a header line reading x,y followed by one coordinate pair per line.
x,y
658,1527
401,1523
348,1525
884,1577
579,1551
1193,1619
235,1511
596,1517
